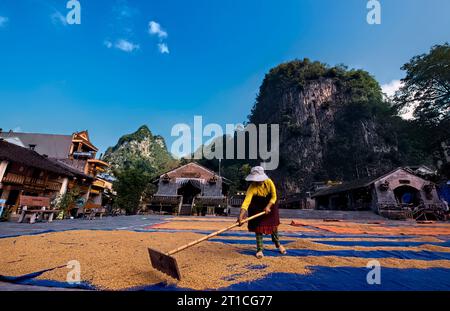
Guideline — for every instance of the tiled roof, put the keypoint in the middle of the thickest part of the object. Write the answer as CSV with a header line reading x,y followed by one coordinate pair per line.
x,y
360,183
356,184
54,146
76,172
14,153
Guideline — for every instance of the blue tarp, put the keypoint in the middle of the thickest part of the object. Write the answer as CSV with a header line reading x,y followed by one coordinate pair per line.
x,y
422,255
30,279
321,278
340,278
339,243
247,242
444,192
382,243
351,279
312,236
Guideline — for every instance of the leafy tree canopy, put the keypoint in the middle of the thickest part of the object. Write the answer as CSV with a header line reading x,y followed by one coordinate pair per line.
x,y
133,185
426,86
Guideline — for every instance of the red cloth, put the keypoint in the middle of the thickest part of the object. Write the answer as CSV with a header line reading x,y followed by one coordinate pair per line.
x,y
264,224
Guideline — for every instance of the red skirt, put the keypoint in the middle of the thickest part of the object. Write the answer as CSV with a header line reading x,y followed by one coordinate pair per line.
x,y
265,224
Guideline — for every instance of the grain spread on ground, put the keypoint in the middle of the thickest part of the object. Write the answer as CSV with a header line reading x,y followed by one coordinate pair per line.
x,y
216,225
117,260
346,227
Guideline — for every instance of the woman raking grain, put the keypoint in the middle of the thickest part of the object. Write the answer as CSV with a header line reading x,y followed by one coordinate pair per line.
x,y
261,196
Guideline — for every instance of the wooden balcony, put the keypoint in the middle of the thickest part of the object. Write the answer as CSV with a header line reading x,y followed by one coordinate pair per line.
x,y
98,183
36,182
53,185
16,179
13,179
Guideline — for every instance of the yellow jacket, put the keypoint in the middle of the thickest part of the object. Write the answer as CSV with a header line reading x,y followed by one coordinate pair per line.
x,y
263,190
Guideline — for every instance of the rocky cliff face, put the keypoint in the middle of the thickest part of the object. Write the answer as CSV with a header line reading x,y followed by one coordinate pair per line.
x,y
141,145
331,124
303,137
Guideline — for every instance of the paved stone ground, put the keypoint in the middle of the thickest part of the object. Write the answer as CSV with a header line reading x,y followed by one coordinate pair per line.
x,y
8,229
107,223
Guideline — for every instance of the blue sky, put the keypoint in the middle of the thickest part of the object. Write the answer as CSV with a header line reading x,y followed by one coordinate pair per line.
x,y
109,75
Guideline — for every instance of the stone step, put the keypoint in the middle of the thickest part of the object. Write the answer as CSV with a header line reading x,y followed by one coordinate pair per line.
x,y
186,210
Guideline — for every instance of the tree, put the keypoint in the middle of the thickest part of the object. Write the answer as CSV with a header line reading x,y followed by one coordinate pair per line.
x,y
65,201
132,184
426,86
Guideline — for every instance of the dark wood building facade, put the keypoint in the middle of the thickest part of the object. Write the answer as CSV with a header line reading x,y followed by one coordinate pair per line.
x,y
190,189
74,153
397,194
24,172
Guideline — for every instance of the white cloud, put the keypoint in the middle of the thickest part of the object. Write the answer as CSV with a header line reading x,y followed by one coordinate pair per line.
x,y
126,46
390,88
163,48
408,113
108,44
122,10
155,29
3,21
58,18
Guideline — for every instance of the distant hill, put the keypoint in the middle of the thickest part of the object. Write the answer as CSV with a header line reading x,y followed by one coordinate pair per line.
x,y
140,146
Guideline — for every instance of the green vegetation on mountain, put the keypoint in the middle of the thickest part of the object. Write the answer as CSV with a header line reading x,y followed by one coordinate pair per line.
x,y
139,146
135,160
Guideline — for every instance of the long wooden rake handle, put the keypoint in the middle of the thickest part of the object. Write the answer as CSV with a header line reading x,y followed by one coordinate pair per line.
x,y
179,249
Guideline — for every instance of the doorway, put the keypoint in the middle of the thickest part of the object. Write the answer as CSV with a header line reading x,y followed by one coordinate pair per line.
x,y
407,195
189,190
